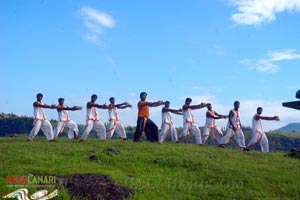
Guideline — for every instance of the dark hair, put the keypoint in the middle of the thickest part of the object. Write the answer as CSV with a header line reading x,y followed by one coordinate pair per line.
x,y
188,99
61,99
111,98
94,96
39,95
236,102
143,93
167,102
259,108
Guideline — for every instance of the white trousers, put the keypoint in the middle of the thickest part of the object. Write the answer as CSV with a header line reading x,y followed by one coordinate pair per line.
x,y
72,126
164,131
193,129
118,127
46,127
216,132
261,138
238,136
98,127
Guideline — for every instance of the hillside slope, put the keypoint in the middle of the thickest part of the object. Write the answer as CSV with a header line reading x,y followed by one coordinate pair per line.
x,y
289,128
153,171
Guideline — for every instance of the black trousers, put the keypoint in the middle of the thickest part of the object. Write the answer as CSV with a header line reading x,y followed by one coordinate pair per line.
x,y
150,128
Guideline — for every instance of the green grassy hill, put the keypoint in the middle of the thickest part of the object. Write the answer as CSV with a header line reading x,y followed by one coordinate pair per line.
x,y
153,171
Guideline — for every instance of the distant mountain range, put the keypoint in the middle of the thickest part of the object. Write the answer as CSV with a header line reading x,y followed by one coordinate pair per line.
x,y
289,128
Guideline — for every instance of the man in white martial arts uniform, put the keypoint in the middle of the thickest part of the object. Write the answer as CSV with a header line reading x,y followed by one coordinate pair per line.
x,y
167,123
190,126
210,125
234,129
115,123
40,119
93,120
63,119
258,135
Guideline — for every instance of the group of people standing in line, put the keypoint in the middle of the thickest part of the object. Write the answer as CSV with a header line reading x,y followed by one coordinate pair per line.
x,y
144,123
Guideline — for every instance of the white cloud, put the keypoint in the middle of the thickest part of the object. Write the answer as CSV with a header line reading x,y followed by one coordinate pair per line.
x,y
267,65
94,28
287,54
92,38
95,21
263,66
97,17
219,50
255,12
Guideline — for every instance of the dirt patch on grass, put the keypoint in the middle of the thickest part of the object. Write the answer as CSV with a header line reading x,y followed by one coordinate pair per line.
x,y
94,187
91,187
294,153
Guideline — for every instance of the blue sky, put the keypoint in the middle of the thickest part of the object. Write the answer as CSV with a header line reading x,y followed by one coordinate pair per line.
x,y
214,51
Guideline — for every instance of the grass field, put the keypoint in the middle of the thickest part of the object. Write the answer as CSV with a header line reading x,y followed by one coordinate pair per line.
x,y
153,171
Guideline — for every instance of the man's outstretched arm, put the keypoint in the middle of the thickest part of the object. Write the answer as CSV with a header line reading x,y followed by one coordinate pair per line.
x,y
69,108
194,107
38,104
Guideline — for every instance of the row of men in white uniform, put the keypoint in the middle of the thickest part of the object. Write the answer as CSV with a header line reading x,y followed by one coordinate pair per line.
x,y
93,120
234,127
190,126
